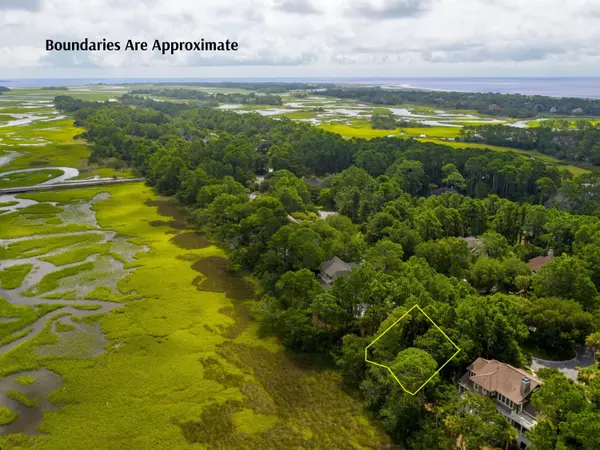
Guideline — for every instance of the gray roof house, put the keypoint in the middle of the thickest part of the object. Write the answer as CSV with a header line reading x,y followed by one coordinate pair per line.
x,y
334,268
475,244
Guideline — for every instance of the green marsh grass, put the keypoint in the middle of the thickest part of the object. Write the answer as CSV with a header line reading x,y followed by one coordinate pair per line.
x,y
439,132
94,93
41,209
28,178
52,280
26,380
12,277
363,129
299,114
104,172
7,416
22,398
84,307
22,315
64,196
78,254
156,376
61,150
40,246
62,327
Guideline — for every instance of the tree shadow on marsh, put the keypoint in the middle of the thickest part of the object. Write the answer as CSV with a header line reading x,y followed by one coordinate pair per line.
x,y
166,209
218,277
191,240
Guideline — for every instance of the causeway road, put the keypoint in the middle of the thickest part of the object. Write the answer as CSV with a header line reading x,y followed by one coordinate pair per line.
x,y
67,185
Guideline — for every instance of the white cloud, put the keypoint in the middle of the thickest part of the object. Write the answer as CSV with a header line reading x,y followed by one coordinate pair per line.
x,y
388,9
307,38
296,6
32,5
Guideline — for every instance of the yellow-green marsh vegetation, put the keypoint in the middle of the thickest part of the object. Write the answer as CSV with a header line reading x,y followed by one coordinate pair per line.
x,y
186,361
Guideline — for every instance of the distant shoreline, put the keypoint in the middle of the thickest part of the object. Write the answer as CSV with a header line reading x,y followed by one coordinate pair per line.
x,y
581,87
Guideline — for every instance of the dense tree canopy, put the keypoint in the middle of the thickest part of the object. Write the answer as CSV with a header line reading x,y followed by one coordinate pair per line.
x,y
552,137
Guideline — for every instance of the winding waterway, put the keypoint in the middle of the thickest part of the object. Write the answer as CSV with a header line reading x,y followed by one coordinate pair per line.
x,y
30,417
68,173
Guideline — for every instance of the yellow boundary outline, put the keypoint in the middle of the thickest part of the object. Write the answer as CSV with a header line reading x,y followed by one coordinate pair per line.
x,y
390,370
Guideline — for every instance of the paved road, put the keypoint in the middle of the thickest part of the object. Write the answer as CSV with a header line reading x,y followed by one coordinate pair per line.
x,y
569,368
67,184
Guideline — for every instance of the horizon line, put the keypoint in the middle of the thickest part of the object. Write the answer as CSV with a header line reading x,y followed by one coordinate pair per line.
x,y
305,78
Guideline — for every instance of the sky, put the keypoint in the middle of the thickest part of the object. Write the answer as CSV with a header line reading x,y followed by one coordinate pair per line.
x,y
306,38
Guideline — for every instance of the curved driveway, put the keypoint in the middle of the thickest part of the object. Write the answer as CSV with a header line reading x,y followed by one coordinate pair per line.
x,y
569,368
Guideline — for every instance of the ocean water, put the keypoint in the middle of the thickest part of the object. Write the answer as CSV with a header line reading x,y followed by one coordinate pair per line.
x,y
588,87
585,87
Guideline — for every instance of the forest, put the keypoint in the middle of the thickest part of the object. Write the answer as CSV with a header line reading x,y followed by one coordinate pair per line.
x,y
506,105
194,94
558,138
404,208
